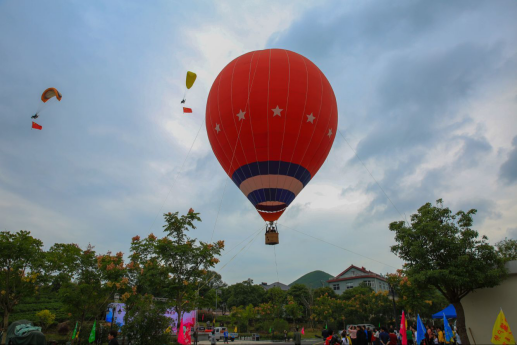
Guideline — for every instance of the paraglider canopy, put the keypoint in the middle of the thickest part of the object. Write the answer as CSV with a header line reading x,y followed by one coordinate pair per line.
x,y
190,79
49,93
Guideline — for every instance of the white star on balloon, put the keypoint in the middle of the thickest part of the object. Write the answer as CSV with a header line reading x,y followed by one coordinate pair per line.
x,y
217,128
310,118
330,133
277,111
241,114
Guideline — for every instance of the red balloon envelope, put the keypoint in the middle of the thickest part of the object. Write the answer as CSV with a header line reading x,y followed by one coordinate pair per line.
x,y
271,120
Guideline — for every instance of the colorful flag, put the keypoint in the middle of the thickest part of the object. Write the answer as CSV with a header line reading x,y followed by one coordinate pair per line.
x,y
402,329
448,334
36,126
91,339
181,337
420,330
187,110
270,330
235,329
501,331
302,331
75,330
326,325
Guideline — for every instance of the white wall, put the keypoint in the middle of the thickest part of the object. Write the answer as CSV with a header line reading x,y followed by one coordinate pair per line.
x,y
482,306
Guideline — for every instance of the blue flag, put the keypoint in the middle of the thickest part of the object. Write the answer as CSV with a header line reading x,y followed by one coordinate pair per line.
x,y
420,330
448,334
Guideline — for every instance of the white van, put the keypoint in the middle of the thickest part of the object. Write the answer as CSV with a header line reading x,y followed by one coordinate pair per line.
x,y
219,332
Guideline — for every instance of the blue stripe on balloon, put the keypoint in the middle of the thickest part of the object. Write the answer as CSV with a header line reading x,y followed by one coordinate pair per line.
x,y
271,168
271,194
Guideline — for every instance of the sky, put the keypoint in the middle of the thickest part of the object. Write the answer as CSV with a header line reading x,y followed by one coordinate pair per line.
x,y
426,95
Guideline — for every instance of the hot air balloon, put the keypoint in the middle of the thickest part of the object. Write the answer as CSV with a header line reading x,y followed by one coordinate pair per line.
x,y
48,94
189,82
271,120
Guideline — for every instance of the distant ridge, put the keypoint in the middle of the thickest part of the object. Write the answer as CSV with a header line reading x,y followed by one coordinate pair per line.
x,y
313,279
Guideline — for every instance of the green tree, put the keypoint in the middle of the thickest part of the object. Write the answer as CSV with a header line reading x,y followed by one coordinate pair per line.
x,y
45,318
293,309
277,297
21,263
441,250
173,267
303,297
506,249
145,322
245,293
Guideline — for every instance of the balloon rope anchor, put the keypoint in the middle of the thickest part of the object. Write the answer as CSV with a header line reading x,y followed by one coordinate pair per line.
x,y
271,237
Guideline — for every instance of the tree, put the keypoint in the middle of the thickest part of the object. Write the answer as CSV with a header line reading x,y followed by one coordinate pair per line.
x,y
245,293
293,309
173,267
302,296
145,322
507,249
21,262
45,318
277,298
441,250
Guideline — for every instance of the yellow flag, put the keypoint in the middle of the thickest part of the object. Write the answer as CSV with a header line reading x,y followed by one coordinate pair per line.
x,y
501,331
235,329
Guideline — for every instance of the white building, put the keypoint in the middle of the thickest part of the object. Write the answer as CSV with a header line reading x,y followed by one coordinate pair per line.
x,y
354,276
267,286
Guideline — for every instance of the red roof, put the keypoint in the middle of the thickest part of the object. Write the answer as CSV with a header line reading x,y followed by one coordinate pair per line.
x,y
368,274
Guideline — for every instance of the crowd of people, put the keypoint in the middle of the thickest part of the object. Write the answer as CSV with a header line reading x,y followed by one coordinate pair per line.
x,y
363,335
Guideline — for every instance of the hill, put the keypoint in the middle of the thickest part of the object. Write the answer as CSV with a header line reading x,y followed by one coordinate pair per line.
x,y
313,279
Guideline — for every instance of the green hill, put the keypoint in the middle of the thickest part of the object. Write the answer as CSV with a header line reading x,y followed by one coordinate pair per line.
x,y
313,279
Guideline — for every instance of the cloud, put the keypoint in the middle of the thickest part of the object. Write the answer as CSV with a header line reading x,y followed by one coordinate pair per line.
x,y
508,168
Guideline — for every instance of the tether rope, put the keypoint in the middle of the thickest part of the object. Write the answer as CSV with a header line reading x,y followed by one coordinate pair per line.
x,y
348,250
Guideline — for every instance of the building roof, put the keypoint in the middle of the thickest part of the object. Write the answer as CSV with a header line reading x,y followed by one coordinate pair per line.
x,y
267,287
367,274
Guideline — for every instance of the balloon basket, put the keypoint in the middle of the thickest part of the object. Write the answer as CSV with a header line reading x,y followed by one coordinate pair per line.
x,y
271,238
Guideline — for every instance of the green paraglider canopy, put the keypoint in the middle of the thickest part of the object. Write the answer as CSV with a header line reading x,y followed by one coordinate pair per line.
x,y
23,332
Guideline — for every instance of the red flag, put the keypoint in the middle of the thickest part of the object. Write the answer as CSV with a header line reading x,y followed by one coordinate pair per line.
x,y
36,126
302,331
402,329
187,110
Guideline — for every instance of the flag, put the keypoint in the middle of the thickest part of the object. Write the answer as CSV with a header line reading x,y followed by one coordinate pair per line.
x,y
402,329
448,334
187,110
270,330
36,126
326,325
75,329
379,324
181,337
235,329
302,331
501,331
91,339
420,330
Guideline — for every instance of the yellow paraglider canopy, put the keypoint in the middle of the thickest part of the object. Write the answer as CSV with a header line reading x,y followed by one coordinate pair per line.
x,y
190,79
52,92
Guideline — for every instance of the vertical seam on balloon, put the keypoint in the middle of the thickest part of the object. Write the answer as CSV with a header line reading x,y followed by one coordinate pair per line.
x,y
324,135
301,119
216,135
237,139
268,121
252,132
241,121
321,161
314,128
285,118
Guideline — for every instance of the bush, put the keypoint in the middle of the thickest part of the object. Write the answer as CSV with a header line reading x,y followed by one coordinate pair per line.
x,y
45,318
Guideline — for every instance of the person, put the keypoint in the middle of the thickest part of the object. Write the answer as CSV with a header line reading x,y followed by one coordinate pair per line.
x,y
410,336
361,338
429,335
285,336
213,337
376,337
369,336
35,116
297,337
112,337
325,334
329,337
384,336
225,335
440,336
195,337
435,340
393,338
352,331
